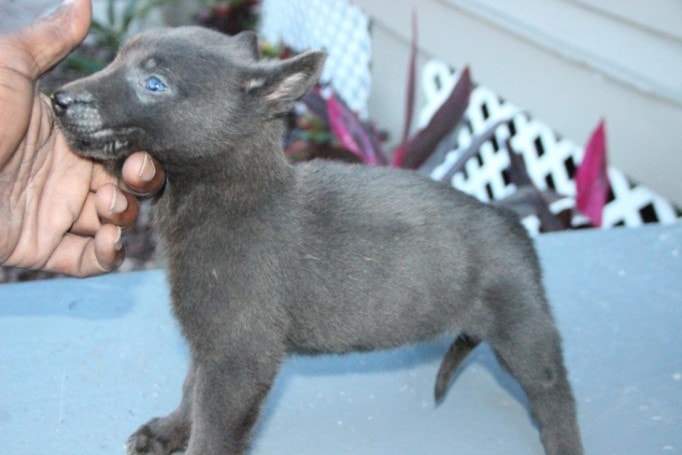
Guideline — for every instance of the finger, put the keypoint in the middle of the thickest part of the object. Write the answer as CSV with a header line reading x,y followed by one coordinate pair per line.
x,y
50,39
86,256
88,221
101,177
109,251
142,174
114,206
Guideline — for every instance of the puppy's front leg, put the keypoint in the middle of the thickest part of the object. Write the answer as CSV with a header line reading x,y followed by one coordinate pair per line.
x,y
228,395
165,435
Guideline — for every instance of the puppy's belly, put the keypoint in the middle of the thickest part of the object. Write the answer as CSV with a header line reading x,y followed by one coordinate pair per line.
x,y
368,325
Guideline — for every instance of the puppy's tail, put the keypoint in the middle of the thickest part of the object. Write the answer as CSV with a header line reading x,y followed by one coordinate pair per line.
x,y
459,350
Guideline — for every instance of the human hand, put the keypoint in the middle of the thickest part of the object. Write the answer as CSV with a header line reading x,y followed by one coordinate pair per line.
x,y
58,211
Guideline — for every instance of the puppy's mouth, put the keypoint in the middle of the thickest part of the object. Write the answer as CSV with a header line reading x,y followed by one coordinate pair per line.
x,y
105,144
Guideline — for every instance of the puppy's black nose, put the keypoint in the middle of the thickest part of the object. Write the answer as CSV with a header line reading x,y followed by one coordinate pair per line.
x,y
61,101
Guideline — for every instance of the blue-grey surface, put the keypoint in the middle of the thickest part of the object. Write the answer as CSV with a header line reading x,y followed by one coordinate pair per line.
x,y
84,362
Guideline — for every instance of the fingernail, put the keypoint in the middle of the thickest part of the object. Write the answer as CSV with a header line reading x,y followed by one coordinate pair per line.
x,y
118,243
147,169
118,203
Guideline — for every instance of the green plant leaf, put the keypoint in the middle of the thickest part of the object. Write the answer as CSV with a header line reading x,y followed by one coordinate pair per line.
x,y
111,13
84,63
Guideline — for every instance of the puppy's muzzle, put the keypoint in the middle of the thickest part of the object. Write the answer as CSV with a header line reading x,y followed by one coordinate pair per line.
x,y
63,101
77,112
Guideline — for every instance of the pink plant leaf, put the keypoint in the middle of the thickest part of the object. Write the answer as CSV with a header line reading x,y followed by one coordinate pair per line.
x,y
591,178
417,150
411,81
475,146
315,102
350,132
527,199
375,138
340,129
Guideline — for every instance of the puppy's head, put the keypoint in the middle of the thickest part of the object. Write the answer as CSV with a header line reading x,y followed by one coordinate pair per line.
x,y
181,94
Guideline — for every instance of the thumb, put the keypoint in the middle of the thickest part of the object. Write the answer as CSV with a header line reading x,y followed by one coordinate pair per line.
x,y
48,40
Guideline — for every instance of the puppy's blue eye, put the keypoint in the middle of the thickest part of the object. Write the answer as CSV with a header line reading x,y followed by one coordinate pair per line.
x,y
154,84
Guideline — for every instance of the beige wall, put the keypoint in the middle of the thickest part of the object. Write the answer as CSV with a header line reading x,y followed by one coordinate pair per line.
x,y
568,62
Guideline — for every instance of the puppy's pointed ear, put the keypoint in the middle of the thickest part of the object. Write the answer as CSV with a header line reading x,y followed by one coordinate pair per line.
x,y
282,83
249,41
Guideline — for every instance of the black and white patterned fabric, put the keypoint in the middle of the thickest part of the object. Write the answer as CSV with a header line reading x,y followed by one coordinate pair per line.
x,y
550,160
336,26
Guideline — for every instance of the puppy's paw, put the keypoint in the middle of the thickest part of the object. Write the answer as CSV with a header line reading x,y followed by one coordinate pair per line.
x,y
156,438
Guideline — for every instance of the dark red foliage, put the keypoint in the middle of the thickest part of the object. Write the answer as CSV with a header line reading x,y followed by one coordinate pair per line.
x,y
233,18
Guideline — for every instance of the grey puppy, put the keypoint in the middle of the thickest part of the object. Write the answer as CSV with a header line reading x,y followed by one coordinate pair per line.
x,y
265,259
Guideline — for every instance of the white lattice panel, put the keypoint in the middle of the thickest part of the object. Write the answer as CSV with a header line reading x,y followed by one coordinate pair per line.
x,y
336,26
550,160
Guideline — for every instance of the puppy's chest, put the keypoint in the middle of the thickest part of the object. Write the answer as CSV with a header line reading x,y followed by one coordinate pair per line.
x,y
179,217
200,235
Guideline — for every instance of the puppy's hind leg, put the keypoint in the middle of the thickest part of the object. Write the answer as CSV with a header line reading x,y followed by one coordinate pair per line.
x,y
165,435
528,345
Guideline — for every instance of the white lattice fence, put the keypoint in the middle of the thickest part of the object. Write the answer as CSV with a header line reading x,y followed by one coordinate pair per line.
x,y
336,26
549,159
